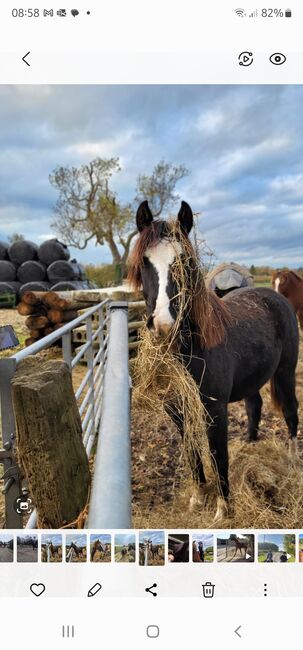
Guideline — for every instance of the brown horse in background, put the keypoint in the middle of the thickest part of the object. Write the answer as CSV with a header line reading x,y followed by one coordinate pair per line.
x,y
290,285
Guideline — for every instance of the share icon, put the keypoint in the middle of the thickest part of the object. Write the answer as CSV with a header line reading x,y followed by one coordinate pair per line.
x,y
149,589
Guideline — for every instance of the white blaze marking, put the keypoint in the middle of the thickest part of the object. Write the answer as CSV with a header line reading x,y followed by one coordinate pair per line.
x,y
161,257
277,282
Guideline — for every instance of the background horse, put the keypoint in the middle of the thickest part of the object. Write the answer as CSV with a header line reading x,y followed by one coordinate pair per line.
x,y
290,285
231,346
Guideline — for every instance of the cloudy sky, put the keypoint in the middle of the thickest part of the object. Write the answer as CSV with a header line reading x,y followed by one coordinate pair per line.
x,y
243,146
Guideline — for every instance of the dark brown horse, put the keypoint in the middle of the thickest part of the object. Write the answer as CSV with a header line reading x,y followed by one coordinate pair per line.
x,y
290,285
232,346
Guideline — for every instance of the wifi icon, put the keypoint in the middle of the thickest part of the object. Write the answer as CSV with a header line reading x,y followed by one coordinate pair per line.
x,y
240,12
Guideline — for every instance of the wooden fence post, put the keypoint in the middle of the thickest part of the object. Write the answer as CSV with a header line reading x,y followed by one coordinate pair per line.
x,y
49,440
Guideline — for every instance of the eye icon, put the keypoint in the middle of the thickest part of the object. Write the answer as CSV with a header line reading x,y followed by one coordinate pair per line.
x,y
277,58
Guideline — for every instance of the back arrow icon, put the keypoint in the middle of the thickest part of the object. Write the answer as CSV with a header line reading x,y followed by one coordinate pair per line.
x,y
24,59
236,631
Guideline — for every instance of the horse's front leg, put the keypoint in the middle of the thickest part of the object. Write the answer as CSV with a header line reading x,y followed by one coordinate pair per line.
x,y
217,438
196,464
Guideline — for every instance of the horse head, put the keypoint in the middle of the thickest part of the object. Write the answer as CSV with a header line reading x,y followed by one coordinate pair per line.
x,y
157,252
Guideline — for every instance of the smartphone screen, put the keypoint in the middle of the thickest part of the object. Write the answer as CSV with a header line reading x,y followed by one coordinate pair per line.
x,y
151,290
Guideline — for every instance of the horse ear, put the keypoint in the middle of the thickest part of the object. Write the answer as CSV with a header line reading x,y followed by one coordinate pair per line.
x,y
185,217
144,216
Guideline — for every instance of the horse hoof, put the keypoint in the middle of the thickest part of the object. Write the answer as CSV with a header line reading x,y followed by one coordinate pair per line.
x,y
196,498
293,451
222,510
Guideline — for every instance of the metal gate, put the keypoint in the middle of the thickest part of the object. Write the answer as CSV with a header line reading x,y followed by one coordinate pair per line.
x,y
103,398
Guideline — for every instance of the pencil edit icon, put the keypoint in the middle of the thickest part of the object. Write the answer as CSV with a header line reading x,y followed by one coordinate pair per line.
x,y
94,590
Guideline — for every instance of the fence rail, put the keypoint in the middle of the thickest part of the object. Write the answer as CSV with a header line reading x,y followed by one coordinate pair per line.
x,y
105,347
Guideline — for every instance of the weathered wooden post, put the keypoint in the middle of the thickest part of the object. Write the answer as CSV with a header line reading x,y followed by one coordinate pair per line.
x,y
49,440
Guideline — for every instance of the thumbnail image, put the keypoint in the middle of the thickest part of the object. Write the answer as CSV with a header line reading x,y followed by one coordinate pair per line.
x,y
178,547
235,547
125,547
76,548
277,548
6,548
301,548
51,548
203,547
27,548
152,548
100,548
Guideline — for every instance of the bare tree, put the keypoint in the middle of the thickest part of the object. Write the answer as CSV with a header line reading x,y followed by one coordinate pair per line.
x,y
159,187
87,210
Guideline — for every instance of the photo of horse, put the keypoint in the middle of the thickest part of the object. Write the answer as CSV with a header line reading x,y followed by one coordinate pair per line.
x,y
202,547
27,548
125,548
152,548
6,548
100,548
192,216
235,547
51,548
178,548
277,548
75,548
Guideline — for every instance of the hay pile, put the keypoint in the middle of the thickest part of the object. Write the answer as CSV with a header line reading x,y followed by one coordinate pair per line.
x,y
266,490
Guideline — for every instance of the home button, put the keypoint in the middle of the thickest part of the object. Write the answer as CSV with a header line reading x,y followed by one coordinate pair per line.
x,y
152,631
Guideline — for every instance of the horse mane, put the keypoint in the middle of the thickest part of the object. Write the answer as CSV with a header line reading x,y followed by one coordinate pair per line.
x,y
210,316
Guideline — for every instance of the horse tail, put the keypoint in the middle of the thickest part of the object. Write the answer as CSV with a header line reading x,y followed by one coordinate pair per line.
x,y
276,398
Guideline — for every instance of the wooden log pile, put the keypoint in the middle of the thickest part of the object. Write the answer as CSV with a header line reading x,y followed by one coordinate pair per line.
x,y
47,311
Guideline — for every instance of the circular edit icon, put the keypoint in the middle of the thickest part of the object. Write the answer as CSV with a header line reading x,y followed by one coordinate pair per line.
x,y
245,58
277,58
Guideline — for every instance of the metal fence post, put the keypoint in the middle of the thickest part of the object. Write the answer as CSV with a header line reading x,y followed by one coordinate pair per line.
x,y
67,348
90,366
110,505
12,482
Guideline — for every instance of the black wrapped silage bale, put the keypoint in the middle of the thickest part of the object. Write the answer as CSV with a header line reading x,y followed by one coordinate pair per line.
x,y
52,250
79,269
7,271
31,271
10,287
63,271
22,251
34,286
3,250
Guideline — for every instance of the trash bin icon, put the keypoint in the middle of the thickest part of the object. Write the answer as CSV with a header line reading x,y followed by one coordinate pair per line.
x,y
208,590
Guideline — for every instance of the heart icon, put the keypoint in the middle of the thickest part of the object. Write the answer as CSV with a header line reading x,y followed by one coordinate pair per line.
x,y
37,589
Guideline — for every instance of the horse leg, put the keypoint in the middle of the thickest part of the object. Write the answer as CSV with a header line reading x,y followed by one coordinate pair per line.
x,y
217,438
285,396
196,464
253,409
